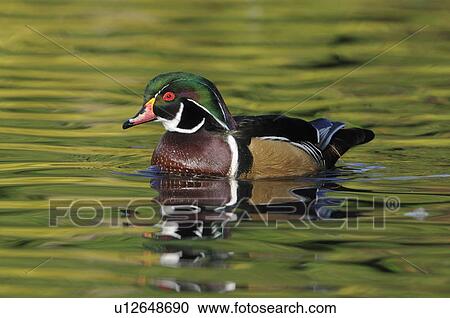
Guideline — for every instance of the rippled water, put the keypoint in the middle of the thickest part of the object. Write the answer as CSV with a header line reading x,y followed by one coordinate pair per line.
x,y
376,226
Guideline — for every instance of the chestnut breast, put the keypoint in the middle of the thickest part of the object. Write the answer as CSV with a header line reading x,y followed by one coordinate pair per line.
x,y
202,152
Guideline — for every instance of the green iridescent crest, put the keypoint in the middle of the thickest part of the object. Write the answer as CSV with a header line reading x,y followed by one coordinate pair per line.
x,y
194,87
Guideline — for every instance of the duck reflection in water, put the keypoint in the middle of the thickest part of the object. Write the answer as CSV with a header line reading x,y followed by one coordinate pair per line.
x,y
198,209
211,208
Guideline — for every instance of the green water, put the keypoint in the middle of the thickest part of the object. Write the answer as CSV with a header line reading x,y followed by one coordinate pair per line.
x,y
61,138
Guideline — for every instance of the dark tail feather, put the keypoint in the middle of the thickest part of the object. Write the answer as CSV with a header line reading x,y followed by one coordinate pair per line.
x,y
343,140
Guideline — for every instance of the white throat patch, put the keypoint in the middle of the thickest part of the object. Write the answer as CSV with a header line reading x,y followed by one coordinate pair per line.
x,y
172,125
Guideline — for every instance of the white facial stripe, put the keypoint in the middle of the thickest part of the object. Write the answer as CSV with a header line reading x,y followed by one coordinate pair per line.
x,y
192,130
209,89
206,110
156,95
159,92
218,99
172,125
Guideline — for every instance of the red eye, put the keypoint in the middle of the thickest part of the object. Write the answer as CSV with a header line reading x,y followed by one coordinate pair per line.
x,y
169,96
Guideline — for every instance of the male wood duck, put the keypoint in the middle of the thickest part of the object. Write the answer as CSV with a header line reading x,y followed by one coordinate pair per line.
x,y
203,138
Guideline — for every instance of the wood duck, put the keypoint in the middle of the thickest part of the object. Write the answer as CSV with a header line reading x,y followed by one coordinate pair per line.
x,y
203,138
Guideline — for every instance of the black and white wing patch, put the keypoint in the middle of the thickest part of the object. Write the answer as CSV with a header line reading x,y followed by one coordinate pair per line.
x,y
312,137
313,151
325,130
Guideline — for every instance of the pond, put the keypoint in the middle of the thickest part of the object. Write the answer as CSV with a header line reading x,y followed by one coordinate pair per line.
x,y
72,71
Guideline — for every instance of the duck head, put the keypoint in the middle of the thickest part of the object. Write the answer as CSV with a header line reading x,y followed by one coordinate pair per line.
x,y
183,103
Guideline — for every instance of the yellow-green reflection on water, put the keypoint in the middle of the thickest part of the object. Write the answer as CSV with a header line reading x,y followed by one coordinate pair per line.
x,y
61,138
